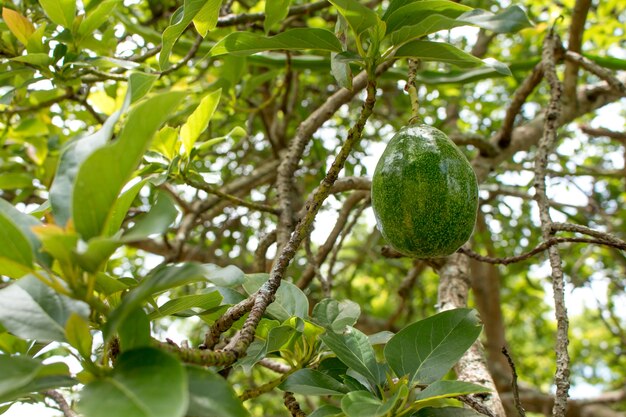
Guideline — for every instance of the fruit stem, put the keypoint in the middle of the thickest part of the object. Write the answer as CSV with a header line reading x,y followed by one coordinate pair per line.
x,y
411,88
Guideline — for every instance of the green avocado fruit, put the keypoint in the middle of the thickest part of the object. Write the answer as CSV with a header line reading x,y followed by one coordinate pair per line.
x,y
424,193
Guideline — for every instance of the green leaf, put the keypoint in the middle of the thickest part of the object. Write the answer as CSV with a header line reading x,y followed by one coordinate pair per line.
x,y
229,276
510,20
166,142
181,19
359,17
38,59
187,302
95,194
161,215
210,395
206,18
145,383
22,375
121,206
448,389
16,252
246,43
275,11
32,310
336,315
414,12
446,412
341,70
444,52
365,404
290,300
327,411
427,349
198,121
97,17
134,331
353,348
312,382
15,180
79,150
96,253
20,26
78,334
159,280
60,12
25,222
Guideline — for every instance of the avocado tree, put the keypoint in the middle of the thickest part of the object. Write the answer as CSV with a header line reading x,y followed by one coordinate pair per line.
x,y
185,220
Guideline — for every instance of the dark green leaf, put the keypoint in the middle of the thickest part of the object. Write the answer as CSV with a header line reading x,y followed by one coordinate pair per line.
x,y
25,223
229,276
427,349
186,302
95,194
353,348
181,19
327,411
312,382
32,310
22,375
365,404
134,331
246,43
210,395
145,383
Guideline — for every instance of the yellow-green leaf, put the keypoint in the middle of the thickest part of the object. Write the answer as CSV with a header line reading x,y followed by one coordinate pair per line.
x,y
61,12
206,19
19,26
78,335
199,119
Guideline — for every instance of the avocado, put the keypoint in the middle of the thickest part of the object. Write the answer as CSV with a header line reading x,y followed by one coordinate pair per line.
x,y
424,193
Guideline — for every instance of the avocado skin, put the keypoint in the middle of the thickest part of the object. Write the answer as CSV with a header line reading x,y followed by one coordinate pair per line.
x,y
424,193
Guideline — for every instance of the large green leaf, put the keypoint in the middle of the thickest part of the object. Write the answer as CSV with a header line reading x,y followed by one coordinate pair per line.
x,y
77,151
60,12
161,279
180,20
246,43
444,52
427,349
327,411
16,252
94,193
509,20
187,302
96,17
414,12
312,382
210,395
290,300
146,382
359,17
353,348
22,375
198,121
32,310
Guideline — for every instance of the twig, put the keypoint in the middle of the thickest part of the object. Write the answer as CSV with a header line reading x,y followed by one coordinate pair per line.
x,y
58,398
225,322
476,405
600,131
516,400
292,405
574,43
596,69
190,54
277,367
576,228
411,89
260,253
39,106
539,248
485,147
503,137
239,344
546,144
